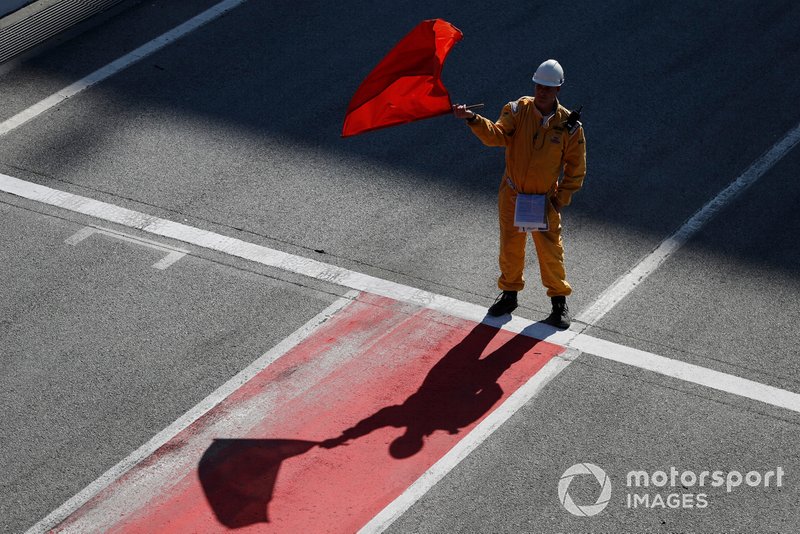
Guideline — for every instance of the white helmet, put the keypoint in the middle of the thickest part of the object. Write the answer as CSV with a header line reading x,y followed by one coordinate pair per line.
x,y
549,73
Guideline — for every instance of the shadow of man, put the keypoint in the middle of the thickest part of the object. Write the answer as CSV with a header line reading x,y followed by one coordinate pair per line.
x,y
238,475
458,390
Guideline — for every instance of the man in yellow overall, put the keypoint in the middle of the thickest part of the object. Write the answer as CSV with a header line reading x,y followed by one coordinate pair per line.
x,y
541,147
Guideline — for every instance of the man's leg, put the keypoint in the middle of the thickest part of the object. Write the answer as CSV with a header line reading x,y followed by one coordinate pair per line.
x,y
512,244
512,255
550,251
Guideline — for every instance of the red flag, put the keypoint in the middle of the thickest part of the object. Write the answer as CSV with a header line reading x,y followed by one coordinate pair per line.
x,y
406,84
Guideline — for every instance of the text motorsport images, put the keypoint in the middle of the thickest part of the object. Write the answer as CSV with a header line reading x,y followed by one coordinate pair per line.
x,y
652,489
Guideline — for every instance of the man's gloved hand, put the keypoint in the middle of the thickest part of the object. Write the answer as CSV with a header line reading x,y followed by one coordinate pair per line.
x,y
461,111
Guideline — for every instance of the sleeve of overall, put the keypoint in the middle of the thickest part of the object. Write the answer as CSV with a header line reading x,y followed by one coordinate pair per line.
x,y
574,167
495,133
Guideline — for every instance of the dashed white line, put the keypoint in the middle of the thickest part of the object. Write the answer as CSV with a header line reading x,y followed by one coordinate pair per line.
x,y
173,254
79,236
168,260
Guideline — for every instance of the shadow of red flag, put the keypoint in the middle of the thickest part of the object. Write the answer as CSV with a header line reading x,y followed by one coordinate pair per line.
x,y
238,476
406,85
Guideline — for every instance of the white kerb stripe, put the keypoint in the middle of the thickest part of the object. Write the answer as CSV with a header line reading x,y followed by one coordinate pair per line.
x,y
117,65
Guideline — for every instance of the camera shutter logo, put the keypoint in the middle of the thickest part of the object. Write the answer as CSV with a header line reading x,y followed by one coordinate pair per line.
x,y
589,509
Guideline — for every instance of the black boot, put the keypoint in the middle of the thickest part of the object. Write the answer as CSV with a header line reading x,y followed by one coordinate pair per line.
x,y
503,304
559,317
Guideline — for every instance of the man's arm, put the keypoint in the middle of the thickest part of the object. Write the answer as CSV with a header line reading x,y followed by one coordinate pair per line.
x,y
490,133
574,169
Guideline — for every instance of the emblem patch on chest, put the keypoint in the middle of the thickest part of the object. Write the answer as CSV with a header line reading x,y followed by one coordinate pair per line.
x,y
556,139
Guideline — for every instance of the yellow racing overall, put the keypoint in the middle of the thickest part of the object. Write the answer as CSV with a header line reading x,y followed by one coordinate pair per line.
x,y
539,150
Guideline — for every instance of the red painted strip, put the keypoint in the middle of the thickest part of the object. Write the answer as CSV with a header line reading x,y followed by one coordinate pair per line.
x,y
329,455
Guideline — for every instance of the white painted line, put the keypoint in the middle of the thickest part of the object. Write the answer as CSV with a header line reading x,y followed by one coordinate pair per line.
x,y
168,260
69,507
273,258
79,236
122,236
371,284
688,372
463,448
630,280
173,254
117,65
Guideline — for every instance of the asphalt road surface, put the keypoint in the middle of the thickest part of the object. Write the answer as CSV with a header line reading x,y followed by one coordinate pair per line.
x,y
234,129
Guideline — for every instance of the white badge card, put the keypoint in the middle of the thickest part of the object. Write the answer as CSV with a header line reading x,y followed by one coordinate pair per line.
x,y
530,213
